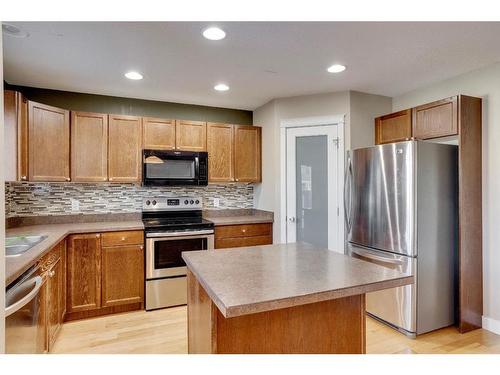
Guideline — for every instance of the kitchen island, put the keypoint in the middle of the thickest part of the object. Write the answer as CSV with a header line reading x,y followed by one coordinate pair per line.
x,y
282,298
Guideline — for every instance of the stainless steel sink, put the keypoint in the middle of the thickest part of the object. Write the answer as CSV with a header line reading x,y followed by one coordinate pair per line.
x,y
16,246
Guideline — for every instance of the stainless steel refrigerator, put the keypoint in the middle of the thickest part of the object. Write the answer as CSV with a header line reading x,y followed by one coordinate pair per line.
x,y
401,213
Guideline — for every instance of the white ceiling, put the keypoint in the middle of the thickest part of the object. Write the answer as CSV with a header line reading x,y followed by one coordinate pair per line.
x,y
258,60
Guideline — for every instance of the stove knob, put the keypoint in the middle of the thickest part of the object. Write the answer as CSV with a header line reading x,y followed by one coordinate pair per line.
x,y
197,201
148,202
191,201
154,203
186,202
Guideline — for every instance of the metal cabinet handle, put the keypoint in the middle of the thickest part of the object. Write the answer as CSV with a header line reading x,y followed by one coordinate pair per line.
x,y
24,178
97,236
68,179
141,247
52,273
122,239
291,219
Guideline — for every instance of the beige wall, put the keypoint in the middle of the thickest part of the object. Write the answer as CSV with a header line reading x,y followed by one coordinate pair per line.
x,y
359,110
363,110
2,219
483,83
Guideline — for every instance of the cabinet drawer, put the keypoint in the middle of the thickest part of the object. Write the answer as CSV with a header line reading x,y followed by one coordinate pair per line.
x,y
224,243
122,238
245,230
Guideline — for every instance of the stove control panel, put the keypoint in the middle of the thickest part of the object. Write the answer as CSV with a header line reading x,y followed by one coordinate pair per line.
x,y
171,203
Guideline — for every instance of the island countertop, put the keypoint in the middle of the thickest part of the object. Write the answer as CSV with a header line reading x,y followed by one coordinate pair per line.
x,y
250,280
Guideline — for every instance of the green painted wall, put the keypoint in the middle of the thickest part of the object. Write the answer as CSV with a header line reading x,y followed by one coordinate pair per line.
x,y
136,107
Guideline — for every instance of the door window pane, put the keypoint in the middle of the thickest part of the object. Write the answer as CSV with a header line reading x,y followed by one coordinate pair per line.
x,y
312,190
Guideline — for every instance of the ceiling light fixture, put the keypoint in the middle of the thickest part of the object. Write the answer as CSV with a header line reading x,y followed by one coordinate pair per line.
x,y
336,68
214,33
133,75
15,31
221,87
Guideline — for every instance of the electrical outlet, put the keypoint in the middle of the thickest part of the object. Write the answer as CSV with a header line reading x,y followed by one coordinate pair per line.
x,y
75,205
216,202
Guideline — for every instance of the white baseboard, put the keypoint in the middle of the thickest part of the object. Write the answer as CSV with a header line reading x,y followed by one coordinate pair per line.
x,y
491,325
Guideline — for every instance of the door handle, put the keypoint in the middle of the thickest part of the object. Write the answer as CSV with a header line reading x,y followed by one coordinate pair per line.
x,y
383,259
11,309
348,190
291,219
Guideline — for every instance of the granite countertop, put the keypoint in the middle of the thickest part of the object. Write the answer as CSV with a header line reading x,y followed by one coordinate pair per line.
x,y
15,266
238,216
58,227
249,280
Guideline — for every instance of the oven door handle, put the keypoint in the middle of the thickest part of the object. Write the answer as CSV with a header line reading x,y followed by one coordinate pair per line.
x,y
177,234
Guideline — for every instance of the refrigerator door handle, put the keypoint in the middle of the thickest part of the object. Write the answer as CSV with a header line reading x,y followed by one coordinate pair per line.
x,y
347,190
369,255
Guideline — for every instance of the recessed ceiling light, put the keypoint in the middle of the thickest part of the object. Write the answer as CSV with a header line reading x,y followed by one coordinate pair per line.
x,y
214,33
14,31
336,68
221,87
133,75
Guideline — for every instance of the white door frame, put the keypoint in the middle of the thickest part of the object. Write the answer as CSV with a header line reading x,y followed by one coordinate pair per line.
x,y
338,121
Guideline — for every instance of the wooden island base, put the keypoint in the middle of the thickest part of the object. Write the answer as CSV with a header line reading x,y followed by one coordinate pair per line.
x,y
335,326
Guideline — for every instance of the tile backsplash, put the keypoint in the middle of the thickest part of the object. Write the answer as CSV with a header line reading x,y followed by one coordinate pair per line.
x,y
41,199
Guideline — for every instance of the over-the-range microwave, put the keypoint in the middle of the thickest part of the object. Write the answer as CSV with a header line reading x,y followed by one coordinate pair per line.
x,y
174,168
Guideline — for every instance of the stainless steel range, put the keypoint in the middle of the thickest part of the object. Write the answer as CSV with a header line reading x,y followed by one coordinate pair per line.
x,y
172,225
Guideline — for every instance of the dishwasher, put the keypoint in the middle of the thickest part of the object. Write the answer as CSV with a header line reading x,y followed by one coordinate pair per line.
x,y
24,320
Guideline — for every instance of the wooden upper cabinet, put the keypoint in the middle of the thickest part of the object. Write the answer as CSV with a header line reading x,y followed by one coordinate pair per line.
x,y
247,153
89,146
395,127
48,143
15,136
84,272
158,134
122,275
436,119
220,152
124,148
191,135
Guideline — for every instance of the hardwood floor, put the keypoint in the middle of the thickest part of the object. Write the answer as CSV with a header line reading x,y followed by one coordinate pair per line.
x,y
165,331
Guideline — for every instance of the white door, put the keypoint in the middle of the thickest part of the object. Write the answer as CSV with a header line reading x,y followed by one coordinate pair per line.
x,y
312,187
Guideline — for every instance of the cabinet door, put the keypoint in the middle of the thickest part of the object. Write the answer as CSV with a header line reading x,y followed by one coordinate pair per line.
x,y
84,272
395,127
124,150
122,275
220,152
191,135
437,119
158,134
54,291
247,153
48,143
89,146
62,299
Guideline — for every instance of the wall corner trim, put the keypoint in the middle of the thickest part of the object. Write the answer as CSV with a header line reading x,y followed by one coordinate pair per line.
x,y
491,324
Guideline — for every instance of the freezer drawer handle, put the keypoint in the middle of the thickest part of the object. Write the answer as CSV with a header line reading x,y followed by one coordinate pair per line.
x,y
374,257
9,310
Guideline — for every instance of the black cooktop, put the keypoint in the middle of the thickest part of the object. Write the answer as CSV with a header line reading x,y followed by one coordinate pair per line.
x,y
175,221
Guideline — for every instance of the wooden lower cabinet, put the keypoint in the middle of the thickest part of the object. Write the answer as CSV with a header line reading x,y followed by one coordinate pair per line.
x,y
84,272
122,275
52,270
105,279
54,291
228,236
